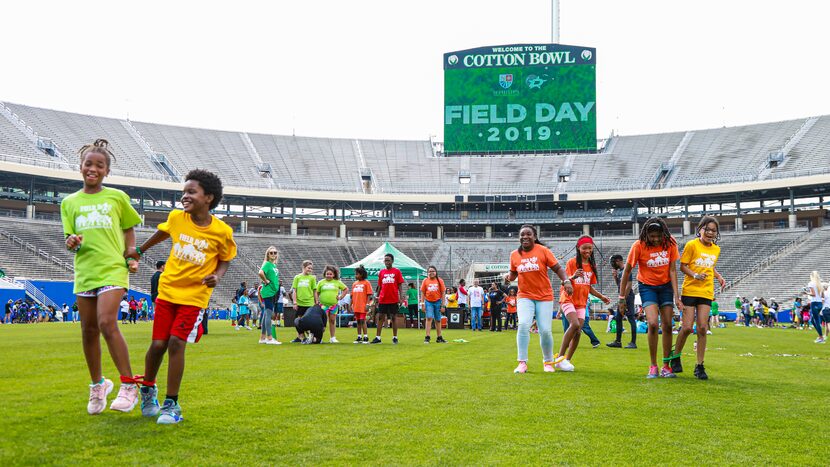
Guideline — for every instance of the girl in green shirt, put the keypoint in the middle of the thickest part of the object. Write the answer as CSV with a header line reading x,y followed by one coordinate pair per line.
x,y
98,224
329,291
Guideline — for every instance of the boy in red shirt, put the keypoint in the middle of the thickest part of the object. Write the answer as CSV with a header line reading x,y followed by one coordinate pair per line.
x,y
390,296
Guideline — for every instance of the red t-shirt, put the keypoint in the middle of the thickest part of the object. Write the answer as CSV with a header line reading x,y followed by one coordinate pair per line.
x,y
581,285
388,282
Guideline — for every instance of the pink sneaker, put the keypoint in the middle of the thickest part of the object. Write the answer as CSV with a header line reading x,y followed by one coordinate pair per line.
x,y
652,372
98,397
549,367
667,373
127,398
522,368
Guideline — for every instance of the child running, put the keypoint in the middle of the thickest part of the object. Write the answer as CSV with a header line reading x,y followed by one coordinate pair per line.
x,y
581,270
432,293
202,249
361,299
328,292
700,256
655,254
98,223
530,264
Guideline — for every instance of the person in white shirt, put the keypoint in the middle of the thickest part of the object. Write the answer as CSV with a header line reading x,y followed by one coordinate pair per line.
x,y
815,290
476,297
125,309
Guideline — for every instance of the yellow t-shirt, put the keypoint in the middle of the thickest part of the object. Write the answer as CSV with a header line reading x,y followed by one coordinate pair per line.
x,y
195,254
701,260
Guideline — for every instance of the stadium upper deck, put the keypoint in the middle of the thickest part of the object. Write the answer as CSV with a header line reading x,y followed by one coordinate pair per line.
x,y
754,156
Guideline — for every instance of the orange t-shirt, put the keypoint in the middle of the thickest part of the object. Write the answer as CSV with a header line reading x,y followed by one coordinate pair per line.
x,y
511,303
432,289
581,285
361,291
532,267
653,262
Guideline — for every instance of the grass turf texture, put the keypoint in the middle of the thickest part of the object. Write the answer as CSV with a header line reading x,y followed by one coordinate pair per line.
x,y
457,404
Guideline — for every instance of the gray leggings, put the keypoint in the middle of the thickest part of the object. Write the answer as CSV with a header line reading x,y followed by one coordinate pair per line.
x,y
266,315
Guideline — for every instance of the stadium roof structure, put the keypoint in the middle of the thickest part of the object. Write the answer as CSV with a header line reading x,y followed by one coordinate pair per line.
x,y
374,263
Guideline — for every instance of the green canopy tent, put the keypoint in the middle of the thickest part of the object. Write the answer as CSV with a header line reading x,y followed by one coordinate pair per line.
x,y
373,263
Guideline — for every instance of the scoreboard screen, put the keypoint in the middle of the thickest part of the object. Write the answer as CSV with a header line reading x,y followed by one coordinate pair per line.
x,y
522,98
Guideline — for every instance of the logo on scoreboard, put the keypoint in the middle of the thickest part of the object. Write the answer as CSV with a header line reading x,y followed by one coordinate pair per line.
x,y
452,59
506,80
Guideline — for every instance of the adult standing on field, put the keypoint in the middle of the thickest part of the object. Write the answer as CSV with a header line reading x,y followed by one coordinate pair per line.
x,y
530,264
476,298
269,274
390,296
302,290
154,282
815,291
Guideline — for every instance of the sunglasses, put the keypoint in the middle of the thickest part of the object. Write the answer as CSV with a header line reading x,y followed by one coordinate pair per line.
x,y
272,252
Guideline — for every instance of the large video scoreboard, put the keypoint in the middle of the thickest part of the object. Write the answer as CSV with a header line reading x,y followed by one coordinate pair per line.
x,y
522,98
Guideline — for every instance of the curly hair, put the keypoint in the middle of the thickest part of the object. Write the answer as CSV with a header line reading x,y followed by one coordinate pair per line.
x,y
210,183
655,223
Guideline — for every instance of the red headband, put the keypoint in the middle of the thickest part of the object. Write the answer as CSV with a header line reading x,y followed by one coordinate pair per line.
x,y
584,240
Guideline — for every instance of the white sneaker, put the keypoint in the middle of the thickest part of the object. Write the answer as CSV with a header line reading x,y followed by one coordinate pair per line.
x,y
98,397
273,342
263,341
127,398
334,340
565,365
248,328
237,328
708,332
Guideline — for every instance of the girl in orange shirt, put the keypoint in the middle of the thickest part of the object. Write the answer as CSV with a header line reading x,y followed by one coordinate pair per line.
x,y
361,298
530,264
511,308
655,255
432,294
581,270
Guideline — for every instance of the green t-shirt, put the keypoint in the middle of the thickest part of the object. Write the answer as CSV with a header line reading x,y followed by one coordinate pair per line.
x,y
101,219
328,290
714,306
738,304
412,297
304,285
273,276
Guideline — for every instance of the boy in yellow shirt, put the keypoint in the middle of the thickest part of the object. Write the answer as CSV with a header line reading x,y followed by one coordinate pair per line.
x,y
202,249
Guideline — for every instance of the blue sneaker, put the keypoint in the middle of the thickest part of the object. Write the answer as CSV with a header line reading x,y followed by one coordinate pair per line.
x,y
171,413
149,401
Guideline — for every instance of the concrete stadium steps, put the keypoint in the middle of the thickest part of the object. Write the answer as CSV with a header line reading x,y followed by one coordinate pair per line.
x,y
785,276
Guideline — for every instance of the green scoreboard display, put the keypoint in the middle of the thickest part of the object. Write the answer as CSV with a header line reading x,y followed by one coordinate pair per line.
x,y
523,98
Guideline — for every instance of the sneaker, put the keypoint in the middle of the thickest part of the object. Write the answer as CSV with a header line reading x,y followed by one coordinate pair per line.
x,y
126,399
440,340
394,339
273,342
549,368
237,328
676,366
376,340
334,340
652,372
263,341
170,414
522,368
819,340
558,358
615,345
297,340
365,339
98,397
358,340
426,340
149,401
248,328
667,373
597,344
565,365
631,345
700,372
708,332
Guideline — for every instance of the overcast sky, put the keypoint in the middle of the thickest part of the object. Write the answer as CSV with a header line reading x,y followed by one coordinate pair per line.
x,y
373,69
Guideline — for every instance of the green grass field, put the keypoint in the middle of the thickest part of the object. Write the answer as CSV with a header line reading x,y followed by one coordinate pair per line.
x,y
457,404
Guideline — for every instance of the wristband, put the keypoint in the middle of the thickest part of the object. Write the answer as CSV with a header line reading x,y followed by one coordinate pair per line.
x,y
127,261
566,280
138,250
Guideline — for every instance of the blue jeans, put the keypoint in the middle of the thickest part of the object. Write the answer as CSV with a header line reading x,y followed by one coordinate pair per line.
x,y
527,310
815,316
432,310
475,317
660,295
586,328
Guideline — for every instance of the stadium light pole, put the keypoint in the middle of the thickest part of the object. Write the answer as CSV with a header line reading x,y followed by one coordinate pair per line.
x,y
554,21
